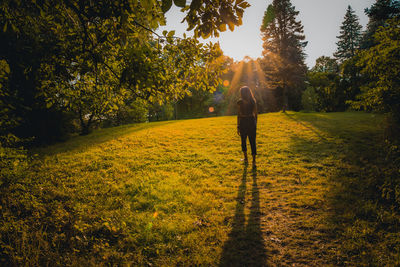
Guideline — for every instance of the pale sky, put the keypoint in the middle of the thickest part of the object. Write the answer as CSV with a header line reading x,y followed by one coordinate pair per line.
x,y
321,20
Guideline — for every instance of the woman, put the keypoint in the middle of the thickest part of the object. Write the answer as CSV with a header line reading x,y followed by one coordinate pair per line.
x,y
247,121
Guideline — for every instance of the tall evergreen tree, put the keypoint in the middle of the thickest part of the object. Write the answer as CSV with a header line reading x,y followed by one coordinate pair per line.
x,y
350,36
378,13
283,54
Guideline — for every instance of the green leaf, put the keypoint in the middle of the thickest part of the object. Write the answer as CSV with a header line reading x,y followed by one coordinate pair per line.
x,y
180,3
147,4
196,4
166,5
171,34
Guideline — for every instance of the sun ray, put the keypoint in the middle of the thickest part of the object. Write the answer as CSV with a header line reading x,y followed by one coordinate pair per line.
x,y
250,74
236,78
259,72
270,103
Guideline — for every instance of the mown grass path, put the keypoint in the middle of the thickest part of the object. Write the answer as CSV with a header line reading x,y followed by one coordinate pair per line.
x,y
176,193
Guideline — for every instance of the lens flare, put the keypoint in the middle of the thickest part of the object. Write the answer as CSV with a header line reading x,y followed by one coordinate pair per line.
x,y
211,109
226,83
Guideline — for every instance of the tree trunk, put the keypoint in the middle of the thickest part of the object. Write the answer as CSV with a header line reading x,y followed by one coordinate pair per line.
x,y
85,126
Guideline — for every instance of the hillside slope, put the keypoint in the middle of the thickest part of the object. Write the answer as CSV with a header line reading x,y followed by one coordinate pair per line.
x,y
176,193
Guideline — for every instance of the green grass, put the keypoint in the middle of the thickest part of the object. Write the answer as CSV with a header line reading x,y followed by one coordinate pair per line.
x,y
176,193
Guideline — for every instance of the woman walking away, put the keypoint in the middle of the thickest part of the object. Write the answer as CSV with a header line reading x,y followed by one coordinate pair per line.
x,y
247,122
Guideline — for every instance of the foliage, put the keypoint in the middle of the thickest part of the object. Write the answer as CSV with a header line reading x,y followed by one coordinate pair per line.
x,y
346,55
134,111
87,57
161,111
352,78
283,54
325,64
13,164
7,120
381,63
309,99
350,36
208,18
329,96
203,103
378,13
328,89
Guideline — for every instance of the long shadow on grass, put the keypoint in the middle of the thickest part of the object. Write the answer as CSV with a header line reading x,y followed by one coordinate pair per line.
x,y
245,246
354,195
292,117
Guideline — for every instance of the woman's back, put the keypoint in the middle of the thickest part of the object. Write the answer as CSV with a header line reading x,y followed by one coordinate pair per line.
x,y
246,108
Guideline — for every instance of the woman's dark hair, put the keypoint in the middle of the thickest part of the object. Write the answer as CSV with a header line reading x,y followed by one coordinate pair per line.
x,y
247,95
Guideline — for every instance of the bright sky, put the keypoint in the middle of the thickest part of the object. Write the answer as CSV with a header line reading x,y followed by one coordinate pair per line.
x,y
321,20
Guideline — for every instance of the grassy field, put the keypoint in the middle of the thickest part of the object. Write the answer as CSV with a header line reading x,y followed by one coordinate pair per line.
x,y
176,193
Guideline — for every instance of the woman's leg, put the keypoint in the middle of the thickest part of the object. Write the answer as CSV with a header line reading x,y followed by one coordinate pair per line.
x,y
252,139
243,136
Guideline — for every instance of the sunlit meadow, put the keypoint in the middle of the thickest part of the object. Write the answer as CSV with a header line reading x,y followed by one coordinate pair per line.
x,y
176,193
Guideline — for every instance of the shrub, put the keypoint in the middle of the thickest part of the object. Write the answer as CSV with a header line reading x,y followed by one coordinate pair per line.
x,y
309,99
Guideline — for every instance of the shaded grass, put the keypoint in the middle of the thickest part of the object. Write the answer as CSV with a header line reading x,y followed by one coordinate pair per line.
x,y
167,194
367,225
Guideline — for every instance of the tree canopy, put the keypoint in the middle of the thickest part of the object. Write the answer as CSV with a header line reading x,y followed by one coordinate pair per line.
x,y
350,36
86,57
378,13
382,63
283,54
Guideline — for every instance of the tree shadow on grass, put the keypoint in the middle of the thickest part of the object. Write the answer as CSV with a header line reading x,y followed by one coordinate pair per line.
x,y
292,117
359,230
245,245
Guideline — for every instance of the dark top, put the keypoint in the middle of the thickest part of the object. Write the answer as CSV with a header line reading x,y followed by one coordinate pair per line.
x,y
247,115
247,109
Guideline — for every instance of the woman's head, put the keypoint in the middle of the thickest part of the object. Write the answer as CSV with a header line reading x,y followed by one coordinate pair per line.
x,y
246,94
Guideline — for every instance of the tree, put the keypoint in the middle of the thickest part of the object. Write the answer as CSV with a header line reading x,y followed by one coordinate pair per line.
x,y
378,13
47,46
346,53
283,54
324,91
208,17
325,86
350,36
382,63
326,64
